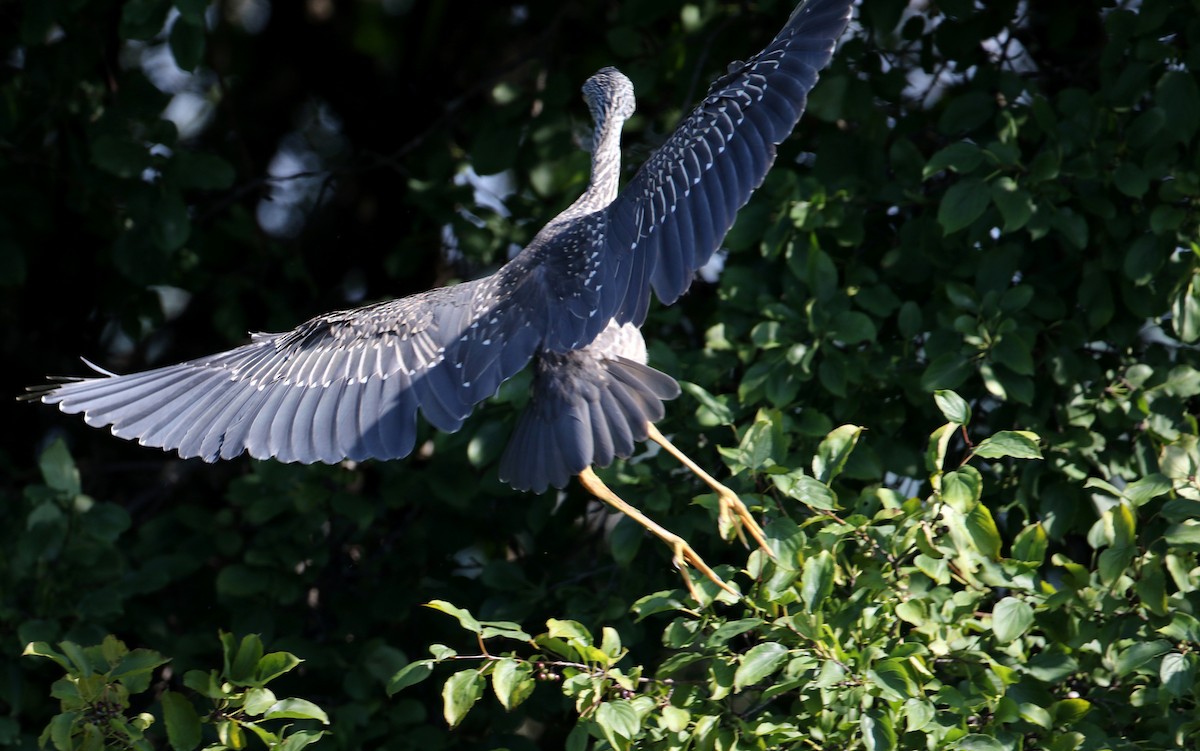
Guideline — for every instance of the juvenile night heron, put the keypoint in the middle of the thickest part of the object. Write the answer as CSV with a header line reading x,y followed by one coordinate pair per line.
x,y
348,384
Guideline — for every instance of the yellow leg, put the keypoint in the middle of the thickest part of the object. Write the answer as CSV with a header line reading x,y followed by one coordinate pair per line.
x,y
683,555
733,511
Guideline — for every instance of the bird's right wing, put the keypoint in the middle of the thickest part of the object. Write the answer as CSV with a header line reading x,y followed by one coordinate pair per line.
x,y
342,385
675,212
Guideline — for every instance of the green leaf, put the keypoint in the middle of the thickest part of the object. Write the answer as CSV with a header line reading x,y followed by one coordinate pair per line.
x,y
183,724
1181,459
763,442
713,411
1177,673
962,488
676,719
205,683
271,666
58,468
1178,95
135,667
1015,204
1141,492
963,203
625,540
573,632
42,649
984,534
465,619
816,583
1138,655
939,441
954,408
833,452
512,681
244,664
1183,534
852,327
1069,711
187,42
909,319
805,489
296,709
961,157
1013,353
1018,444
300,739
1130,179
946,371
1151,585
107,522
1030,544
761,661
1185,310
459,694
918,713
258,701
977,742
1011,618
878,734
619,721
1183,627
411,674
892,679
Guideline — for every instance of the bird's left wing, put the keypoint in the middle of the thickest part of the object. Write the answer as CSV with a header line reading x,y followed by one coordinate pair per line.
x,y
342,385
675,212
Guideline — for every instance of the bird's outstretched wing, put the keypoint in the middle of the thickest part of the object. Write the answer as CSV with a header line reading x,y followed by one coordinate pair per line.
x,y
675,212
587,407
342,385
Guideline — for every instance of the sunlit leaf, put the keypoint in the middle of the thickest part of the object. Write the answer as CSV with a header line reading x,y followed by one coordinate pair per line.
x,y
465,619
761,661
1018,444
512,681
1011,618
459,694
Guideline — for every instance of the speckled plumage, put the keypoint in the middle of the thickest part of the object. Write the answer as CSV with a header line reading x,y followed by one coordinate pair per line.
x,y
348,384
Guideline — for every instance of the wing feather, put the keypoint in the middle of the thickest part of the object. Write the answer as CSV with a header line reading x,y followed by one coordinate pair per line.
x,y
722,151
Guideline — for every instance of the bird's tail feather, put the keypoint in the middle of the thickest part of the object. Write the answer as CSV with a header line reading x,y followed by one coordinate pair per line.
x,y
573,422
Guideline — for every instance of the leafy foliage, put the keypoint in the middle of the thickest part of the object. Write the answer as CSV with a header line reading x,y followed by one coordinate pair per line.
x,y
95,699
950,362
979,650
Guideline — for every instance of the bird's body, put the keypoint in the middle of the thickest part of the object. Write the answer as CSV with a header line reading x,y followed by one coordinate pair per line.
x,y
349,384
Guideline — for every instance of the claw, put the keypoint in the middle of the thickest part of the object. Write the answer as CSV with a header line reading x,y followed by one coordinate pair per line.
x,y
681,552
732,514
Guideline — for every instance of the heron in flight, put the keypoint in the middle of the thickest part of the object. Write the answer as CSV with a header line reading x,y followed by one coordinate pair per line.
x,y
348,384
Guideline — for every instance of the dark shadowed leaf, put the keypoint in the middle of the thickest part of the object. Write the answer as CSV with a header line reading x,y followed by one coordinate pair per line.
x,y
963,203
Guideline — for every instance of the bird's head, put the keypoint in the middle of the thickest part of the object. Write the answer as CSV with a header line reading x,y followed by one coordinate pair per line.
x,y
609,95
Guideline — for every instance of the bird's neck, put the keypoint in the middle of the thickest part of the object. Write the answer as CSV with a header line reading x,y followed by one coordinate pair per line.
x,y
606,170
606,162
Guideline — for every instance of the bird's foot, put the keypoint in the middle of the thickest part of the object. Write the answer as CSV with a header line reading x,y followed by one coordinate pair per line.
x,y
684,556
733,515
